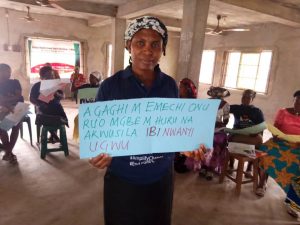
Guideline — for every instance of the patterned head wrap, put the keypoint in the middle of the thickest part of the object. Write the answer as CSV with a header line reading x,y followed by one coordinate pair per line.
x,y
250,93
190,87
147,22
97,74
218,92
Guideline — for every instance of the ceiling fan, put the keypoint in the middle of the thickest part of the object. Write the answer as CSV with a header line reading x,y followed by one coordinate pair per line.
x,y
49,3
29,17
219,30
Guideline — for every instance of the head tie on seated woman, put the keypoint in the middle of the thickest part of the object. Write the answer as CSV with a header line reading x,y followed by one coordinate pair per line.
x,y
147,22
218,92
189,85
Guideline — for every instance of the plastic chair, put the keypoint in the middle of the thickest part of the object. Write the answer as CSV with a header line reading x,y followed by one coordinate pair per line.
x,y
45,124
44,140
27,120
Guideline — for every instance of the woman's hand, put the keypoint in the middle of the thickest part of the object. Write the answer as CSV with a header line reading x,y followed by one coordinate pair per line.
x,y
101,161
197,154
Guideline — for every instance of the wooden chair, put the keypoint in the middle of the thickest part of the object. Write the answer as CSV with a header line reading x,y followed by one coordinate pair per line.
x,y
238,179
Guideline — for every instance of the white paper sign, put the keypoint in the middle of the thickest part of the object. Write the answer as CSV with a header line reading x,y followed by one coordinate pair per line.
x,y
12,119
51,86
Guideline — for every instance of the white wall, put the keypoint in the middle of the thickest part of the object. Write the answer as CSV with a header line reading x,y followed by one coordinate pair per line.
x,y
285,41
50,27
284,76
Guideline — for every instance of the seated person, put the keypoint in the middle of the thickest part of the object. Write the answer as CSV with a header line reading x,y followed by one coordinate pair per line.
x,y
10,95
54,107
55,72
77,79
214,159
187,89
283,156
245,116
94,80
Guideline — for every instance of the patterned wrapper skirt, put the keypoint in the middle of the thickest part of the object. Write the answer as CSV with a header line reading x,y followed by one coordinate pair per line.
x,y
282,164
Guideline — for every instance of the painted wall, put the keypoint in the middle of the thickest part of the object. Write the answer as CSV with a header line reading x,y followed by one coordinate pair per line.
x,y
93,40
284,75
284,78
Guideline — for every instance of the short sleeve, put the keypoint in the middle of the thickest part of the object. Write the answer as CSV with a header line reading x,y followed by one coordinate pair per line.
x,y
279,118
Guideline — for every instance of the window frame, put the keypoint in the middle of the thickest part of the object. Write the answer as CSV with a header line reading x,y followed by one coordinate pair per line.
x,y
269,82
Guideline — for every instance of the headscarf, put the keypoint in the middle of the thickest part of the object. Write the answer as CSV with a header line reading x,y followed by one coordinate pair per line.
x,y
250,93
147,22
296,94
97,74
190,87
218,92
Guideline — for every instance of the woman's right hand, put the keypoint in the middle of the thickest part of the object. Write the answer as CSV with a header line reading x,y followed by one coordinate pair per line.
x,y
101,161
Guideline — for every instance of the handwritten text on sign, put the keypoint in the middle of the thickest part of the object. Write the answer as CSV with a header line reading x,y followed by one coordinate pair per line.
x,y
146,125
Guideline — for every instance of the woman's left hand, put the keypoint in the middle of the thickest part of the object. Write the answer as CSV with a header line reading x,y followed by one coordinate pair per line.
x,y
197,154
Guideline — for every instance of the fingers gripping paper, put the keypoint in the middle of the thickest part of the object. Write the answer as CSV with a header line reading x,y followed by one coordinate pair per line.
x,y
143,126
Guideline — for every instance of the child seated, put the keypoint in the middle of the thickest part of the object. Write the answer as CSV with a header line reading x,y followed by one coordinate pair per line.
x,y
52,108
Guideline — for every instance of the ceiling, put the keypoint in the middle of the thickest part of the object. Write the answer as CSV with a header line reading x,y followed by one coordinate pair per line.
x,y
236,13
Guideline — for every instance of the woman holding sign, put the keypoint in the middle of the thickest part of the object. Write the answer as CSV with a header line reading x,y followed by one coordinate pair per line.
x,y
136,192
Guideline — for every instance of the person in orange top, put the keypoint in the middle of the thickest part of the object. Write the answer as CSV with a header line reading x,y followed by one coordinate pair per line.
x,y
77,79
283,157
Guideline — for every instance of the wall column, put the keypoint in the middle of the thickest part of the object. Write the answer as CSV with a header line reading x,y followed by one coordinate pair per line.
x,y
192,36
118,46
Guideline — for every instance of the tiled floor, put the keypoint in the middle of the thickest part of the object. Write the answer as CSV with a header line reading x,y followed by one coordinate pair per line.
x,y
68,191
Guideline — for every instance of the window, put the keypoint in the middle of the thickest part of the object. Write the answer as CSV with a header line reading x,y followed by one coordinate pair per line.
x,y
248,70
109,59
207,66
63,55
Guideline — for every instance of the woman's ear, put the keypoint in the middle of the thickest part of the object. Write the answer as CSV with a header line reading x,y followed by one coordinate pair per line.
x,y
128,46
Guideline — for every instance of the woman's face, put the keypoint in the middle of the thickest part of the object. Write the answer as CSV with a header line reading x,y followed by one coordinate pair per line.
x,y
183,92
93,80
49,75
4,74
146,49
246,100
297,104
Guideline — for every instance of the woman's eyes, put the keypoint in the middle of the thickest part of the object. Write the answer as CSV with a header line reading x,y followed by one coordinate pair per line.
x,y
140,43
153,44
